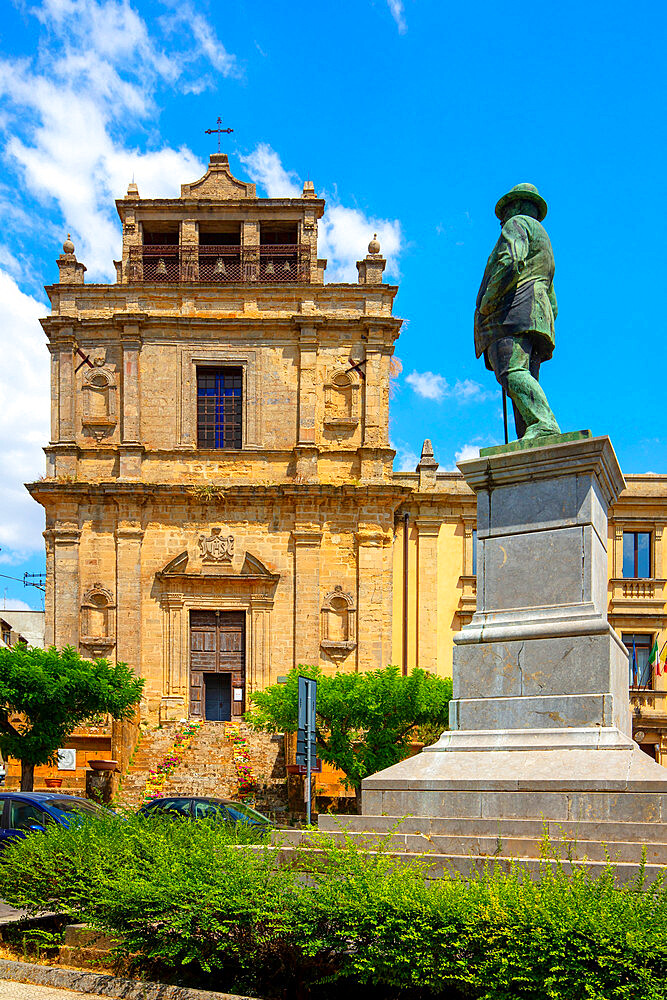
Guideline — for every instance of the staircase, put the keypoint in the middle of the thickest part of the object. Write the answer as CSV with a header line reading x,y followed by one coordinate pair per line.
x,y
465,846
207,768
152,748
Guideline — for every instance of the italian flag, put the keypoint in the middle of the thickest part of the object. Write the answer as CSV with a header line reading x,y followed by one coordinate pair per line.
x,y
654,659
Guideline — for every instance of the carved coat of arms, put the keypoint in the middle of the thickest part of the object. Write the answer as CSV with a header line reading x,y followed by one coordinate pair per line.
x,y
216,547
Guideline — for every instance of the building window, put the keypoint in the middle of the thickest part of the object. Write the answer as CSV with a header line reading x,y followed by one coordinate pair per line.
x,y
641,643
219,407
636,555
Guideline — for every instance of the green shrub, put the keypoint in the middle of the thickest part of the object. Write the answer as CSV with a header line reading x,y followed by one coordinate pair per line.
x,y
225,915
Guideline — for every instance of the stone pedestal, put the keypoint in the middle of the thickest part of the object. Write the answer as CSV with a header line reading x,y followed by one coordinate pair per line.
x,y
540,721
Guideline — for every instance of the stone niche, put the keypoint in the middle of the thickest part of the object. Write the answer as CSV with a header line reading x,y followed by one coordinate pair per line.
x,y
99,400
97,629
341,402
338,624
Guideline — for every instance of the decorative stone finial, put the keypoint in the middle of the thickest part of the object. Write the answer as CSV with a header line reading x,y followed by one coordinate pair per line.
x,y
427,467
132,190
71,270
427,461
371,267
308,190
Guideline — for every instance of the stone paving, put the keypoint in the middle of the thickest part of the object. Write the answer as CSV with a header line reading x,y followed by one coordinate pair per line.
x,y
28,991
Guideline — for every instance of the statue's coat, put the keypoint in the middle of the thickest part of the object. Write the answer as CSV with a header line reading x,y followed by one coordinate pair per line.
x,y
517,294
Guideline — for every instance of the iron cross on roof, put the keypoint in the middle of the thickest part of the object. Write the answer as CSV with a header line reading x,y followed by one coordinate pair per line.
x,y
212,131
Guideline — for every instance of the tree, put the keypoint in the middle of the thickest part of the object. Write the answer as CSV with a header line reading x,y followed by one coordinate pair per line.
x,y
54,692
363,719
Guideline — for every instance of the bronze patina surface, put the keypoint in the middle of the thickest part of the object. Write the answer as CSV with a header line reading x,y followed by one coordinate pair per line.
x,y
522,443
516,308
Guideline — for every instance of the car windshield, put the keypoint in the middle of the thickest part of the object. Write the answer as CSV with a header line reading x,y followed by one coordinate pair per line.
x,y
79,806
240,811
176,807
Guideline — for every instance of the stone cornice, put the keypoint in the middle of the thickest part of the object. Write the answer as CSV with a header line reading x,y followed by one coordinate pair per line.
x,y
194,493
248,206
151,323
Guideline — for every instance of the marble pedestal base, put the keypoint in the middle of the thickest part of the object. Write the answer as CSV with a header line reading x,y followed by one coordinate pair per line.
x,y
540,720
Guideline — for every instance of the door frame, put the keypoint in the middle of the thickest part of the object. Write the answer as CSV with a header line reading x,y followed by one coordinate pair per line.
x,y
219,668
180,592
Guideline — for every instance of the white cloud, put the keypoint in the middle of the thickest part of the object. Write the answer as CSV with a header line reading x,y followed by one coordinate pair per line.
x,y
428,384
344,232
398,13
24,428
431,385
98,75
265,167
466,452
94,76
406,459
14,604
344,236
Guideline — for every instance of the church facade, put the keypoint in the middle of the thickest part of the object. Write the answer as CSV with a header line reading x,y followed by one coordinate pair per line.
x,y
220,497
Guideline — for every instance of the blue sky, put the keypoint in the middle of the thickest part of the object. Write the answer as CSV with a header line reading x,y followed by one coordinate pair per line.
x,y
411,118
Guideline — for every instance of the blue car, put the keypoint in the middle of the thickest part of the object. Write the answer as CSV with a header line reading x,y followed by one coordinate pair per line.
x,y
30,812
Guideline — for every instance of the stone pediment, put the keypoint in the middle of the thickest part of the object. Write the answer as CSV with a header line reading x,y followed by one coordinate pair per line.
x,y
251,568
218,183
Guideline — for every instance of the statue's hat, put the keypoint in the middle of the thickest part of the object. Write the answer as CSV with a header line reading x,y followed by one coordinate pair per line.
x,y
523,192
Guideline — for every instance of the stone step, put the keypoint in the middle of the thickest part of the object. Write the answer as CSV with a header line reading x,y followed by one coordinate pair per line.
x,y
490,847
466,865
607,832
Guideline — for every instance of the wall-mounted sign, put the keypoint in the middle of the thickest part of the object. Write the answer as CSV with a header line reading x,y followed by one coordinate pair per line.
x,y
67,760
238,694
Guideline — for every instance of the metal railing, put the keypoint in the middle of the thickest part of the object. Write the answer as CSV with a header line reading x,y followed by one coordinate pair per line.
x,y
282,263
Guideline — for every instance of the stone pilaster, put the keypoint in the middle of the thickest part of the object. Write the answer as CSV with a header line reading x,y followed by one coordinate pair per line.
x,y
129,535
65,598
258,672
307,539
306,448
376,456
50,589
373,597
130,449
174,656
428,530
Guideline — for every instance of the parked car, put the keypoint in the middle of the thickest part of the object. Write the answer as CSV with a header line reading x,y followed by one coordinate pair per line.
x,y
22,813
194,807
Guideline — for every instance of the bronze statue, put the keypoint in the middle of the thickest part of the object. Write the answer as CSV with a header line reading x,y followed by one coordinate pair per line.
x,y
516,308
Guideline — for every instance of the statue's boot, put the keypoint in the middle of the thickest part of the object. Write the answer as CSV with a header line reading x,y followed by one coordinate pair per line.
x,y
531,402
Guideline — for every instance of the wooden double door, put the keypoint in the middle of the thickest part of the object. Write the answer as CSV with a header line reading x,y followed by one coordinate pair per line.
x,y
217,664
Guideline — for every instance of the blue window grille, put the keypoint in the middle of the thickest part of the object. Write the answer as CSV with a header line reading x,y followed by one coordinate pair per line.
x,y
220,407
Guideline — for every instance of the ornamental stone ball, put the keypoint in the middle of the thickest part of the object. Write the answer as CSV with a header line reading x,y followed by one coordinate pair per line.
x,y
516,308
374,245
